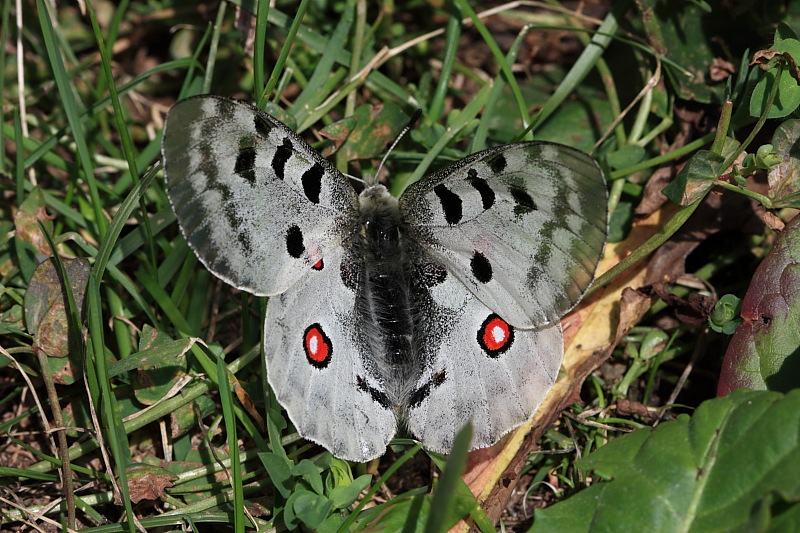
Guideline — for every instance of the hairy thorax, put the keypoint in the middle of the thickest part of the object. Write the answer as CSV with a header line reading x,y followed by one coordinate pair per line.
x,y
385,299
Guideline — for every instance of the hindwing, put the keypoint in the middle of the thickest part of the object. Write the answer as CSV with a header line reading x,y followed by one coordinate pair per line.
x,y
485,370
317,370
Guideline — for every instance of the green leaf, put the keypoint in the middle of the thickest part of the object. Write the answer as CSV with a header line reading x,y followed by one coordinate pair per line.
x,y
783,31
154,379
413,514
787,100
686,32
696,178
376,128
446,493
279,469
156,355
45,308
28,241
725,316
344,495
788,520
310,473
765,351
338,132
716,471
309,508
620,221
627,156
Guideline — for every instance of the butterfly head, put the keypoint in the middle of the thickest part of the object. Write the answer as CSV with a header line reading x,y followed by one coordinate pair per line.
x,y
376,198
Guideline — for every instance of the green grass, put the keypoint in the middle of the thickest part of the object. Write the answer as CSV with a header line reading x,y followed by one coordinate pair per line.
x,y
159,376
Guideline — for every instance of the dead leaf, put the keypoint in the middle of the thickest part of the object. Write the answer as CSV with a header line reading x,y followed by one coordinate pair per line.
x,y
627,407
633,304
338,132
147,482
763,58
45,305
728,211
653,198
721,69
694,310
26,228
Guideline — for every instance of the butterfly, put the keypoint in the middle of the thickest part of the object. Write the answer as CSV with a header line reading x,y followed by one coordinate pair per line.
x,y
421,312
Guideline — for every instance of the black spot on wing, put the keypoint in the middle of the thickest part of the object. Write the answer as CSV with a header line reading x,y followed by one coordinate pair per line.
x,y
224,108
419,395
294,242
480,185
525,203
497,163
282,155
262,125
481,267
245,166
376,395
312,182
451,204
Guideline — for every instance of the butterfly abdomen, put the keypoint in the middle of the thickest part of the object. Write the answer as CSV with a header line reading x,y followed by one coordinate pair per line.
x,y
384,300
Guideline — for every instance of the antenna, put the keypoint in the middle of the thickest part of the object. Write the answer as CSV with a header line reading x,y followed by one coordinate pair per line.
x,y
414,118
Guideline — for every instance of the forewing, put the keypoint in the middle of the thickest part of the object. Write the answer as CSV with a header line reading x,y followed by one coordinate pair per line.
x,y
484,370
315,366
257,205
521,225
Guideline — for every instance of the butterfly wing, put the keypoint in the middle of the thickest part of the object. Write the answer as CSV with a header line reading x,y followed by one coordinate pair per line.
x,y
519,230
316,368
483,369
521,225
257,205
267,214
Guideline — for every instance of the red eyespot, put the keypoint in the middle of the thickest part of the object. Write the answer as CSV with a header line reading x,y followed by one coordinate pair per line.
x,y
317,346
319,265
495,335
